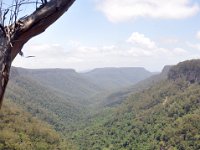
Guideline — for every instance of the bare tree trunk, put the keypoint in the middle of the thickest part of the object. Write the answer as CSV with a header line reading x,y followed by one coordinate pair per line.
x,y
5,64
13,37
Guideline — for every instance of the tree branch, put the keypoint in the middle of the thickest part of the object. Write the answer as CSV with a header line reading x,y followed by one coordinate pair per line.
x,y
14,36
37,23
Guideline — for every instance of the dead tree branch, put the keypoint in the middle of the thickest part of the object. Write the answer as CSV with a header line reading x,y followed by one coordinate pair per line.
x,y
19,31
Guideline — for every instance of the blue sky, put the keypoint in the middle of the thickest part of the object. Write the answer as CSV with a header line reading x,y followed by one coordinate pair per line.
x,y
115,33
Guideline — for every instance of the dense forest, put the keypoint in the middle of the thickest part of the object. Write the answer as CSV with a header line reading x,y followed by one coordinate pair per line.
x,y
166,116
157,112
20,131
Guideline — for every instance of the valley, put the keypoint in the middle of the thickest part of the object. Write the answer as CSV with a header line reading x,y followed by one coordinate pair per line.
x,y
113,108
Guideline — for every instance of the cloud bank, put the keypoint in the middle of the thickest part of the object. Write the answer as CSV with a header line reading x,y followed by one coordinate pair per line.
x,y
124,10
198,35
136,50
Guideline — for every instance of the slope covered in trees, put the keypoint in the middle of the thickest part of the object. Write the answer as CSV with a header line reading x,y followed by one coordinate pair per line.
x,y
20,131
64,81
48,104
164,116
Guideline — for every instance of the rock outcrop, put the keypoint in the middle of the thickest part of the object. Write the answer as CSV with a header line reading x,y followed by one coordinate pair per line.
x,y
188,70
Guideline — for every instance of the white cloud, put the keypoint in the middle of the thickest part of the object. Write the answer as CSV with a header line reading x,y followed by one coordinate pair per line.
x,y
46,56
179,51
123,10
198,35
195,46
141,52
140,40
74,43
169,40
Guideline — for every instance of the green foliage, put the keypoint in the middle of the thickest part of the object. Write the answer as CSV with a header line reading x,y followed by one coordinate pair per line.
x,y
165,116
43,102
20,131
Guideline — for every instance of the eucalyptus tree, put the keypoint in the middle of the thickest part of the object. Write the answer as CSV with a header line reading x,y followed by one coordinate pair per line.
x,y
17,29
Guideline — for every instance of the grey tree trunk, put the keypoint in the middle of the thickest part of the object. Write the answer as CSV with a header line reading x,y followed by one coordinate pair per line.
x,y
5,63
13,37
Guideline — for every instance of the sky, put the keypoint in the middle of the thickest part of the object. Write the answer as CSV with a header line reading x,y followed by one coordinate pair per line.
x,y
116,33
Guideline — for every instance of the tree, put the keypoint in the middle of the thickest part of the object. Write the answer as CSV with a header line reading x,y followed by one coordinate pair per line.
x,y
17,32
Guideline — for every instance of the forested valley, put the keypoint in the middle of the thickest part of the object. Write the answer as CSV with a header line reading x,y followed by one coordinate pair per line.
x,y
105,109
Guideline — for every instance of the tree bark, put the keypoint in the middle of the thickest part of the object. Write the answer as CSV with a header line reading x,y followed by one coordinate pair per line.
x,y
13,37
5,63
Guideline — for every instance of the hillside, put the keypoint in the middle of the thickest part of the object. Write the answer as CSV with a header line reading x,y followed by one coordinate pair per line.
x,y
164,116
66,82
48,104
20,131
117,78
58,96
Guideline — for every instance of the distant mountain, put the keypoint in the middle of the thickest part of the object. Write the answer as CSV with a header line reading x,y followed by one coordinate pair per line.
x,y
117,78
117,97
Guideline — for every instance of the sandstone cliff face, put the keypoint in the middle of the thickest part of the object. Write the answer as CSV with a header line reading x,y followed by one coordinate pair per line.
x,y
188,70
